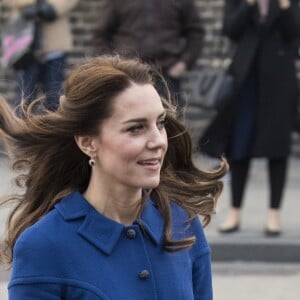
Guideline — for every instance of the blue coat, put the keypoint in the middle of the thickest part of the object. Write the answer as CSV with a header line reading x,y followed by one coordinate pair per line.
x,y
74,252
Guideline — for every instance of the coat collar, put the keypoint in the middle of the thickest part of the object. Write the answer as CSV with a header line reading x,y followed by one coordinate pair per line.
x,y
273,13
103,232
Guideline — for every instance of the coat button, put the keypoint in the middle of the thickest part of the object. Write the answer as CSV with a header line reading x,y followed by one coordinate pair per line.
x,y
130,233
144,275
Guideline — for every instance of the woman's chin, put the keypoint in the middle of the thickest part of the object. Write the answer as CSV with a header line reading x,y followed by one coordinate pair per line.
x,y
151,184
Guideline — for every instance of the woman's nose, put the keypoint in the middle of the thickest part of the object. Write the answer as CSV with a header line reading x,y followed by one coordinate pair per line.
x,y
157,138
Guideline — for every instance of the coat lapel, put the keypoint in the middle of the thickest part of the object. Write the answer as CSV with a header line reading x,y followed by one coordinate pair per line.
x,y
98,230
103,232
274,11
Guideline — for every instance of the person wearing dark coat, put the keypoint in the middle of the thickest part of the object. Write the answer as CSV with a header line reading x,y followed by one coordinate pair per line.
x,y
167,34
260,117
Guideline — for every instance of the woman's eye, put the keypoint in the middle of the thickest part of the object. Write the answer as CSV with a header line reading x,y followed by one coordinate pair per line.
x,y
162,123
136,128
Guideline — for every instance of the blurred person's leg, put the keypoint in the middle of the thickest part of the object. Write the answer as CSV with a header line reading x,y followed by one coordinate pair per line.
x,y
52,80
277,179
240,149
239,174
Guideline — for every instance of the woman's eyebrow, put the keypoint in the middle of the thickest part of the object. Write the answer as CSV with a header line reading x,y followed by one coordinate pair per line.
x,y
140,120
137,120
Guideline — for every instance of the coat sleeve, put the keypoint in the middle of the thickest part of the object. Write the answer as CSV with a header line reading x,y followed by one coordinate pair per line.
x,y
61,7
106,28
18,3
202,276
33,257
290,22
34,291
236,18
193,32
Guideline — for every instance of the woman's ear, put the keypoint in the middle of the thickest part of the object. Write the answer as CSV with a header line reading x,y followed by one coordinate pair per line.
x,y
86,144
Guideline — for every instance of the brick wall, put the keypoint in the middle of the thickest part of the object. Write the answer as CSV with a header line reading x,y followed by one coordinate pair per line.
x,y
84,18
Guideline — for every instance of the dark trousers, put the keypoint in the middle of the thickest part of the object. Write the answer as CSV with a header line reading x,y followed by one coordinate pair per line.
x,y
45,77
277,169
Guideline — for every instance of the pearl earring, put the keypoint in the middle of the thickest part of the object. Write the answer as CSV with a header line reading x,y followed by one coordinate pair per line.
x,y
92,162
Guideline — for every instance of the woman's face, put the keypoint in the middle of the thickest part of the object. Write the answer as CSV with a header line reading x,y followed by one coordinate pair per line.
x,y
132,142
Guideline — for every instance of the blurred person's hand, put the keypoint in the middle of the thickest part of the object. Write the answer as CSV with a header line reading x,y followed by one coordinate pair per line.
x,y
284,4
43,10
46,11
29,12
177,70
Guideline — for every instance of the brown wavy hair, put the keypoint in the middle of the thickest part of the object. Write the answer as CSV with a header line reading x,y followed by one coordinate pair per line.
x,y
50,165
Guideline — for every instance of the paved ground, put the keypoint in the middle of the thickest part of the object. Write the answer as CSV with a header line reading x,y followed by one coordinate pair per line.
x,y
250,243
4,184
4,276
259,281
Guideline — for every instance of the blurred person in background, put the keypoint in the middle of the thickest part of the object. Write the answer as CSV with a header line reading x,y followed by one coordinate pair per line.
x,y
53,39
259,120
167,34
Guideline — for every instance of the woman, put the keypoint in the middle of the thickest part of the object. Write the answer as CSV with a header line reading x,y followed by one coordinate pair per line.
x,y
111,196
260,119
53,40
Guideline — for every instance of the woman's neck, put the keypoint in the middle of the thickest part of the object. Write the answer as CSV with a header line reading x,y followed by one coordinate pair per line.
x,y
121,212
117,203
